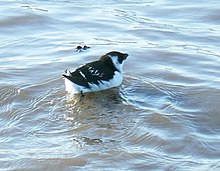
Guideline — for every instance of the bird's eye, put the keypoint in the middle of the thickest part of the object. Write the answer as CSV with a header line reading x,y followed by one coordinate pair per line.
x,y
120,59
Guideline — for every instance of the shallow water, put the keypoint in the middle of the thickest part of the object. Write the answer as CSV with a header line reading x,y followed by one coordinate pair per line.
x,y
165,115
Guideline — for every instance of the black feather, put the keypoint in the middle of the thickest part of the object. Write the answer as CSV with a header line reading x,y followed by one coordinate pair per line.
x,y
93,72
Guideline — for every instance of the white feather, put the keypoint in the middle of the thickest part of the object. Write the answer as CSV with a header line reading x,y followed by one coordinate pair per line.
x,y
82,74
116,63
103,85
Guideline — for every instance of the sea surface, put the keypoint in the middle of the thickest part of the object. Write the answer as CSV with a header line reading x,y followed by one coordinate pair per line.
x,y
164,116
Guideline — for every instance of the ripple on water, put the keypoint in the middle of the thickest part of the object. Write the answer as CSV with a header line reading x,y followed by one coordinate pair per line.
x,y
7,93
29,113
124,122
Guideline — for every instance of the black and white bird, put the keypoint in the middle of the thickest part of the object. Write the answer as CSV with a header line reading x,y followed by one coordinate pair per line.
x,y
102,74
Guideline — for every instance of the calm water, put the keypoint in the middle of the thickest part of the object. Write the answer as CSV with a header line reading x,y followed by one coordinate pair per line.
x,y
166,114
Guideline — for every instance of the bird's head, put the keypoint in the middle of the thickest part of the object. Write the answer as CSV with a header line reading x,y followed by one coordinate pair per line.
x,y
117,58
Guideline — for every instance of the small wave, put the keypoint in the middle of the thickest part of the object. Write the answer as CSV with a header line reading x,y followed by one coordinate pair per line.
x,y
22,21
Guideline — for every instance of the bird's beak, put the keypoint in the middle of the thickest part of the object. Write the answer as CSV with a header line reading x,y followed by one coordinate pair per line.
x,y
125,55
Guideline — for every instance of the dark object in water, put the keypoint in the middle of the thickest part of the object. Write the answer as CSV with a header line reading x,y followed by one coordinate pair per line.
x,y
102,74
80,48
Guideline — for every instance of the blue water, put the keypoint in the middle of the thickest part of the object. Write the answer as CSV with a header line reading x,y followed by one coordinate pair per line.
x,y
165,115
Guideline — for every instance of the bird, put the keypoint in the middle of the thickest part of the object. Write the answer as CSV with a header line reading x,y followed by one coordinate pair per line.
x,y
98,75
80,48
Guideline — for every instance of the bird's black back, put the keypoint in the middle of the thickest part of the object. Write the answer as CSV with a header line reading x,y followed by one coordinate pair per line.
x,y
93,72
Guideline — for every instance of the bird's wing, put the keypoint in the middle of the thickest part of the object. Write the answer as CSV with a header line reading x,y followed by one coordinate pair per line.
x,y
90,73
76,78
95,71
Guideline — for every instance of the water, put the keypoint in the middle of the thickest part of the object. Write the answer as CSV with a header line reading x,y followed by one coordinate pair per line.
x,y
166,114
